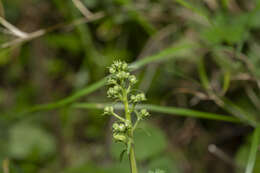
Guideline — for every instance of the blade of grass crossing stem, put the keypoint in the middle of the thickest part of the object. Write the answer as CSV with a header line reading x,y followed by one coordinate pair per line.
x,y
165,54
253,150
165,110
70,99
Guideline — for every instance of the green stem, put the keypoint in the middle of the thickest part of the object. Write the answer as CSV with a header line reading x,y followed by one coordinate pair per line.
x,y
132,160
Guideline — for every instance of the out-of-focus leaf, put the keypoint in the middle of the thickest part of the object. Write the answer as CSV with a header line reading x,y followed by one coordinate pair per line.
x,y
145,145
4,56
164,163
253,151
89,167
68,42
230,29
243,154
27,140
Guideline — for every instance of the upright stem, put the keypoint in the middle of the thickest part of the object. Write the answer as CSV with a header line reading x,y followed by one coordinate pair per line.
x,y
132,160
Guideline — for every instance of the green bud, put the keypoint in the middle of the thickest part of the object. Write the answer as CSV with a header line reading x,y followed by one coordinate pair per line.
x,y
124,66
121,128
112,70
108,110
111,81
119,137
144,113
132,79
116,88
137,98
115,127
128,124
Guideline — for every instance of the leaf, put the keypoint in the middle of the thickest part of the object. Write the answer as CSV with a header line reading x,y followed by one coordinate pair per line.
x,y
165,163
27,140
192,7
244,152
165,54
166,110
122,155
230,29
145,146
253,150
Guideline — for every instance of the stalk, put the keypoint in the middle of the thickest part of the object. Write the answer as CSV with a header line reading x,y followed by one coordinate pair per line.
x,y
132,159
123,129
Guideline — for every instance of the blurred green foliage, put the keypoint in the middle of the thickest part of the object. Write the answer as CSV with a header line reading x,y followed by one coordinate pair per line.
x,y
196,55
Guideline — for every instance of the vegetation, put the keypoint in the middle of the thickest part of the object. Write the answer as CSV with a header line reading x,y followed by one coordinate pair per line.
x,y
196,61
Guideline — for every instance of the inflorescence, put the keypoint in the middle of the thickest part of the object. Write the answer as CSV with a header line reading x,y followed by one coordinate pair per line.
x,y
121,84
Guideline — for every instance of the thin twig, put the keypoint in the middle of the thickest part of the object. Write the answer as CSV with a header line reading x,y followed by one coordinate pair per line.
x,y
83,9
17,32
42,32
213,149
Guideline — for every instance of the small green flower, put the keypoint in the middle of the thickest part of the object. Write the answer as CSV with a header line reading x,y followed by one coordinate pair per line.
x,y
137,98
108,110
132,79
111,81
122,127
112,70
144,113
122,75
120,137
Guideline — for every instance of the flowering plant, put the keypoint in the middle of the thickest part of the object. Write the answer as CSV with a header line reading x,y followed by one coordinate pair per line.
x,y
121,89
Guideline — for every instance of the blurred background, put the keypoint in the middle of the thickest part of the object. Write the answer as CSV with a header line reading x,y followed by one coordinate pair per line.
x,y
201,55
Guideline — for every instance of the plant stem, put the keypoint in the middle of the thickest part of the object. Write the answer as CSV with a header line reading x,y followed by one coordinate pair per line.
x,y
132,160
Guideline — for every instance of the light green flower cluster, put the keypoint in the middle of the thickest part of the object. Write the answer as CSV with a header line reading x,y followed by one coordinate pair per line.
x,y
122,83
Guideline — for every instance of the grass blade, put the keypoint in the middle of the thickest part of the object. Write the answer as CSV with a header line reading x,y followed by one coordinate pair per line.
x,y
192,7
253,150
164,109
166,54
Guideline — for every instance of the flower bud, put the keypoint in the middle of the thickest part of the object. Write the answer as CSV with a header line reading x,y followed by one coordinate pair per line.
x,y
128,124
119,137
124,66
132,79
121,128
111,81
144,113
112,70
115,127
108,110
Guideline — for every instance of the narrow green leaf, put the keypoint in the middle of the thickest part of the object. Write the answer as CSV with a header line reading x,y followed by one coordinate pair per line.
x,y
237,111
226,82
165,54
253,150
70,99
164,109
203,75
192,7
